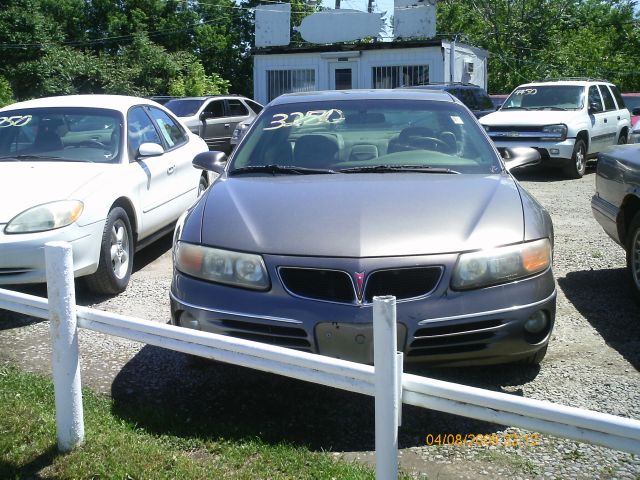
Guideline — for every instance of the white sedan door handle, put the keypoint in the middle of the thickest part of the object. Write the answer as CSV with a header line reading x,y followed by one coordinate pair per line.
x,y
171,169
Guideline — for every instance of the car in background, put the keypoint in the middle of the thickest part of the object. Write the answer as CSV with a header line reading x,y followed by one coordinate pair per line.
x,y
498,100
632,102
567,121
108,174
161,99
333,198
215,117
616,203
473,96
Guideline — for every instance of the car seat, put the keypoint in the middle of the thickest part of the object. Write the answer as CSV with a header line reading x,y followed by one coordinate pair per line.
x,y
47,139
316,151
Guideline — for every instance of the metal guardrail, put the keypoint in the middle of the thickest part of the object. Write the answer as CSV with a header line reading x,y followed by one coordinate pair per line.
x,y
384,380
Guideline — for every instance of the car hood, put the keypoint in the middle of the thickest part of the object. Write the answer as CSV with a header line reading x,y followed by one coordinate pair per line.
x,y
27,184
362,215
528,117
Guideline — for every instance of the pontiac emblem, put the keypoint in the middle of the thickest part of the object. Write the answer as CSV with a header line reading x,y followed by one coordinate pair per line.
x,y
359,284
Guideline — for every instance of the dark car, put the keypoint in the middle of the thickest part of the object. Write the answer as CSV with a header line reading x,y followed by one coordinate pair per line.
x,y
333,198
616,203
474,97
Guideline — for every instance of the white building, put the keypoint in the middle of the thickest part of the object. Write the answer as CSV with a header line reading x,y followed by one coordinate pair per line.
x,y
278,70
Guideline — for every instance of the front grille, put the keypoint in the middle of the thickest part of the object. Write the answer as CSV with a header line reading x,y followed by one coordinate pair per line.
x,y
402,283
332,285
455,338
291,337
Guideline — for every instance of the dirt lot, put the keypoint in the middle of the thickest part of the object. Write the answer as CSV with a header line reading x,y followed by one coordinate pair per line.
x,y
592,362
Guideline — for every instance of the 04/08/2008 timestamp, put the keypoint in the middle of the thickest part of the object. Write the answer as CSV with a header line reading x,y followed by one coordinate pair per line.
x,y
484,440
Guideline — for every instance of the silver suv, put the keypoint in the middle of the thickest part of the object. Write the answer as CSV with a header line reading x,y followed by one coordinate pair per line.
x,y
214,117
567,121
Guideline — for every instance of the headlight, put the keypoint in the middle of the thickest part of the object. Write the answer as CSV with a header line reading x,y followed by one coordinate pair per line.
x,y
501,265
222,266
46,217
556,133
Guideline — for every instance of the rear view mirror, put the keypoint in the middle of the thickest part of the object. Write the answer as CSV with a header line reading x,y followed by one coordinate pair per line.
x,y
595,107
211,161
519,157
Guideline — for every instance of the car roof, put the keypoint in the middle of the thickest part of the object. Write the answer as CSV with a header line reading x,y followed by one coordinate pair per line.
x,y
579,83
207,97
111,102
445,86
362,94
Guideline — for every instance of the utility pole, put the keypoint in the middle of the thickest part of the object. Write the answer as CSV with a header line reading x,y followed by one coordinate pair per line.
x,y
369,6
337,4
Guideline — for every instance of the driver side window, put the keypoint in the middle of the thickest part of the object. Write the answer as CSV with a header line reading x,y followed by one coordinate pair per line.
x,y
215,109
140,130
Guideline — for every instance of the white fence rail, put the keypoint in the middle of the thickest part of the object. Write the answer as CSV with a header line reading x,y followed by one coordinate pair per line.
x,y
385,380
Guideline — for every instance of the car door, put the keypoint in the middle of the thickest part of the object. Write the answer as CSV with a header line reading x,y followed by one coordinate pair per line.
x,y
599,128
154,174
185,176
216,129
611,116
237,112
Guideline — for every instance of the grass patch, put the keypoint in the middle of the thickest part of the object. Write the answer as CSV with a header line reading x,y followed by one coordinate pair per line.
x,y
117,447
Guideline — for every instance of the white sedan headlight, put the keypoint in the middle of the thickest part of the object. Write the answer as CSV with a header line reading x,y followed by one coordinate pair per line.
x,y
222,266
48,216
501,265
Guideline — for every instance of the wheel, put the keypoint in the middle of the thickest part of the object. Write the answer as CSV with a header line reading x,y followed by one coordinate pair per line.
x,y
202,185
536,358
633,252
622,139
116,255
578,164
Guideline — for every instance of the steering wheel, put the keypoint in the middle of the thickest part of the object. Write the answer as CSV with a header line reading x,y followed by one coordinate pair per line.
x,y
91,144
420,138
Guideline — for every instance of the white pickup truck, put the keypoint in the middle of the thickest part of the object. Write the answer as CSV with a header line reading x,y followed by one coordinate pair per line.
x,y
567,121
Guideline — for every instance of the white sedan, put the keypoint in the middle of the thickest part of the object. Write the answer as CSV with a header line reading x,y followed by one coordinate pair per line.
x,y
108,174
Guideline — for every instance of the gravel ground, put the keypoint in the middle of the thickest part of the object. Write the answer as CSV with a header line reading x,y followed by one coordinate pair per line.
x,y
592,363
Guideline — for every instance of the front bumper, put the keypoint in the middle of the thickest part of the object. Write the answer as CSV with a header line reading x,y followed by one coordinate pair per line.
x,y
445,327
553,153
22,255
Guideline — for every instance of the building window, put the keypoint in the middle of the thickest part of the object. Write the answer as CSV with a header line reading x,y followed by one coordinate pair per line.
x,y
288,81
400,76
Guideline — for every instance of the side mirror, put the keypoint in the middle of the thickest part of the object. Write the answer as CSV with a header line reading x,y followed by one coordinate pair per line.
x,y
595,107
150,150
211,161
519,157
207,115
635,111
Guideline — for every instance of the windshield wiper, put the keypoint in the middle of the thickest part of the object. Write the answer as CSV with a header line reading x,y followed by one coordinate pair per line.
x,y
18,158
285,169
397,168
515,108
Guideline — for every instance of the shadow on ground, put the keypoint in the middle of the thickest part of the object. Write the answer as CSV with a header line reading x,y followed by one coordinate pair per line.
x,y
605,298
224,401
543,173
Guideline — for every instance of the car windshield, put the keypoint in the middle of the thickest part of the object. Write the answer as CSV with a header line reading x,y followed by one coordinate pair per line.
x,y
184,108
61,134
541,97
375,135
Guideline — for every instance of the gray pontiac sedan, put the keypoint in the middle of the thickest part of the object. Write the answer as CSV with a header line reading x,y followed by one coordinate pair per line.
x,y
333,198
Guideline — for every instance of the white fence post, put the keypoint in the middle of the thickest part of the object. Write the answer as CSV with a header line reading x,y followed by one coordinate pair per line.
x,y
64,340
387,387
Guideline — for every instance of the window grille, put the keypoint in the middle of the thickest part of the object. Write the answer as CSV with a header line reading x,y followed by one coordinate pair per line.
x,y
289,81
400,76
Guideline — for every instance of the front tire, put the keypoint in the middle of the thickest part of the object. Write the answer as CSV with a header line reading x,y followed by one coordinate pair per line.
x,y
633,253
622,139
116,255
578,164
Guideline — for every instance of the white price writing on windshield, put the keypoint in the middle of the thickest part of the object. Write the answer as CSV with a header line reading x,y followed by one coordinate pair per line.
x,y
15,121
526,91
312,117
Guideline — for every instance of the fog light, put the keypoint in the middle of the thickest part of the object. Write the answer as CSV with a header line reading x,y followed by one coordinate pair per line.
x,y
189,321
537,322
554,151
